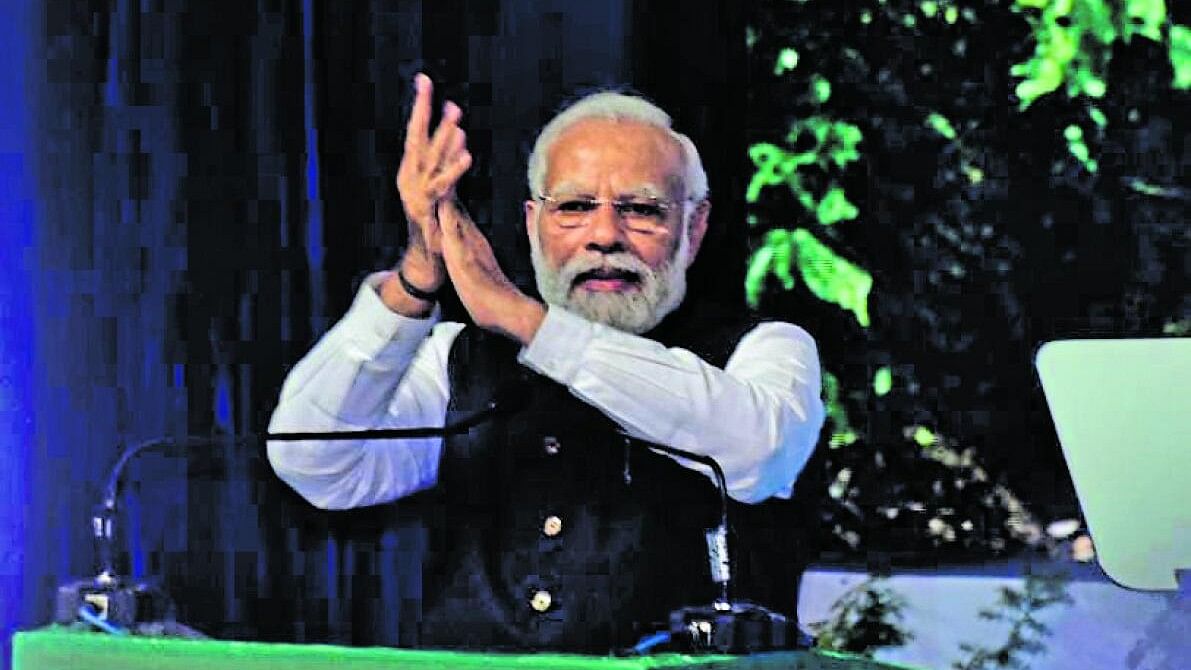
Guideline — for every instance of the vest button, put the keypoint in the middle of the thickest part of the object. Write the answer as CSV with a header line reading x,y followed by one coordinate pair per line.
x,y
551,445
541,601
552,526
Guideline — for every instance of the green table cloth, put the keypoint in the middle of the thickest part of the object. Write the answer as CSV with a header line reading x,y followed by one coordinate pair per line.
x,y
55,648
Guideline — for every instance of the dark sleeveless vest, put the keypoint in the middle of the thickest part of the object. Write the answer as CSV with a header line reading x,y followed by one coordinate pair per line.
x,y
552,530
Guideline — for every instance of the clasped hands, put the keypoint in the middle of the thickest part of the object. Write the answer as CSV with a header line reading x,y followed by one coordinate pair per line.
x,y
444,242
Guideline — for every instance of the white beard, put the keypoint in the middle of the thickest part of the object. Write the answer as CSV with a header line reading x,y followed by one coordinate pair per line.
x,y
637,311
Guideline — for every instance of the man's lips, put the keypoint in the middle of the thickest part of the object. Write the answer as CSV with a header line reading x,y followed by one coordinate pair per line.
x,y
607,280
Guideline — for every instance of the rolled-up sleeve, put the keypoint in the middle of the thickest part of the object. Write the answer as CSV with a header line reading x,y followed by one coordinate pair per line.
x,y
373,369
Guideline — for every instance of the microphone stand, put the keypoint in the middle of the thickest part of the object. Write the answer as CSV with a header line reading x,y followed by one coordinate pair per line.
x,y
118,605
726,625
108,601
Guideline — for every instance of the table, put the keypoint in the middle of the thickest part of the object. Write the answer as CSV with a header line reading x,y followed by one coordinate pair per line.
x,y
54,648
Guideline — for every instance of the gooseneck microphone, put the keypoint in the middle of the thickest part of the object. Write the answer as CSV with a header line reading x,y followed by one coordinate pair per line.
x,y
727,625
717,538
116,604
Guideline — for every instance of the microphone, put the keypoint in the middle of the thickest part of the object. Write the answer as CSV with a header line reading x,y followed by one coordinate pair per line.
x,y
725,626
115,604
108,601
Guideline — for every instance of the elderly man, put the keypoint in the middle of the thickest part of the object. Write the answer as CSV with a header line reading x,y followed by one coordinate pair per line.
x,y
558,527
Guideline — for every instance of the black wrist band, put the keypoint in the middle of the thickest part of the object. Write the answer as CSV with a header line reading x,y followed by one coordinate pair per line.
x,y
414,291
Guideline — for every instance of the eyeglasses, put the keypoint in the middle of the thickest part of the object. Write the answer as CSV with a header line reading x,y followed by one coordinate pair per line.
x,y
640,214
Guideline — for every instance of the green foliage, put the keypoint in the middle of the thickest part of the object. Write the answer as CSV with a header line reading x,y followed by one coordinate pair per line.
x,y
835,207
1180,56
1145,18
900,123
1179,328
831,146
1079,148
826,274
786,60
827,147
842,432
1073,44
941,125
1074,40
821,89
1026,632
883,381
867,617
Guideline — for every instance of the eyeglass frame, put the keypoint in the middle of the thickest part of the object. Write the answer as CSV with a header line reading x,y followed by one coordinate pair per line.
x,y
665,205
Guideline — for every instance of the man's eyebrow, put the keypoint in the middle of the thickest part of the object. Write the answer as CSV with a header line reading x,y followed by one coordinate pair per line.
x,y
569,188
648,191
642,190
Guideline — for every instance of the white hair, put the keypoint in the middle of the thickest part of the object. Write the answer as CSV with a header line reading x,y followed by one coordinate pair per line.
x,y
614,106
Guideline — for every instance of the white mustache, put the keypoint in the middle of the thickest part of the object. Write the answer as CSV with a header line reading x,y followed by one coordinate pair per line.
x,y
594,261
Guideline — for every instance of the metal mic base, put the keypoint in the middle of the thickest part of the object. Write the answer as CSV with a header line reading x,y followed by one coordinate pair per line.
x,y
119,605
741,627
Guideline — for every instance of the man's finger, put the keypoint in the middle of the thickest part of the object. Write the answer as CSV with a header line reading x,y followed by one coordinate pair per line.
x,y
451,172
457,143
442,136
419,117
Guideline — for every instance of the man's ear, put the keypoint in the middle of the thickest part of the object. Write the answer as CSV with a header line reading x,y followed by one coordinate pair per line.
x,y
531,217
698,226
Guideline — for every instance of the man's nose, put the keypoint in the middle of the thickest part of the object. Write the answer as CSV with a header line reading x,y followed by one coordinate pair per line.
x,y
605,228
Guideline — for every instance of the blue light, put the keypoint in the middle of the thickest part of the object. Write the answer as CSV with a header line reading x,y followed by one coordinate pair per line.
x,y
17,212
314,215
223,400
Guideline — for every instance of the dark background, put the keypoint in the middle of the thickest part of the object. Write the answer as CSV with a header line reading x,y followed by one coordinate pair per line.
x,y
213,180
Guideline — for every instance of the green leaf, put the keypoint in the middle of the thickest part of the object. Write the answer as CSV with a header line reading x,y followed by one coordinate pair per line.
x,y
975,175
1098,117
1096,17
768,159
1145,18
883,381
842,438
754,279
1094,86
821,89
1180,56
843,433
832,278
782,252
835,207
787,59
941,125
924,437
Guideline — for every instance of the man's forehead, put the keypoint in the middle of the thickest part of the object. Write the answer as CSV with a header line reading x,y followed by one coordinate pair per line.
x,y
600,132
637,157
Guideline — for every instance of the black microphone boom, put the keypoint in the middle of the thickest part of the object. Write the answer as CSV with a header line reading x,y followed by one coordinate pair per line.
x,y
508,399
114,602
726,626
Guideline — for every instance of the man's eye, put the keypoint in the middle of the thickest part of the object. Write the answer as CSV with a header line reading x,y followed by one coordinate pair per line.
x,y
644,210
576,206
